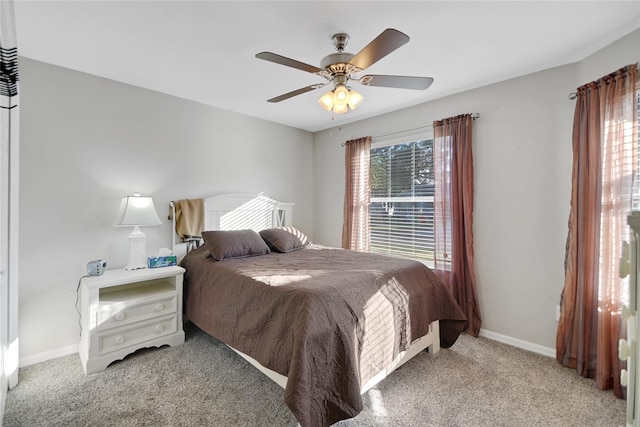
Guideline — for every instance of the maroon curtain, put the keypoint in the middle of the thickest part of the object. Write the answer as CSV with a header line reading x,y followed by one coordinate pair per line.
x,y
454,258
357,194
604,164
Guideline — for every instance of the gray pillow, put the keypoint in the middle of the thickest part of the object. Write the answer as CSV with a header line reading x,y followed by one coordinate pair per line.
x,y
234,243
284,239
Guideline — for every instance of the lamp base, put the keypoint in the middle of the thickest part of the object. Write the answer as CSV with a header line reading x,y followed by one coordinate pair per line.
x,y
137,250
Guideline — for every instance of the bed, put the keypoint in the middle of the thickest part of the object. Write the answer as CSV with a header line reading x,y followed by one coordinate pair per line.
x,y
326,324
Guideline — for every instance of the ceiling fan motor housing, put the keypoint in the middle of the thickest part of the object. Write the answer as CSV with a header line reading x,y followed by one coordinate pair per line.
x,y
337,62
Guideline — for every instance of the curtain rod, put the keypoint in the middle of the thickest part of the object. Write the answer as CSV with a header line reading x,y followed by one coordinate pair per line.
x,y
574,95
474,116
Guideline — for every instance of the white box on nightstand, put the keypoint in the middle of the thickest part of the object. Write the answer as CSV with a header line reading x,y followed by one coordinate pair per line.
x,y
123,311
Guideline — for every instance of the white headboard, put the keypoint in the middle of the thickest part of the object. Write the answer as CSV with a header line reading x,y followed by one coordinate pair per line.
x,y
238,211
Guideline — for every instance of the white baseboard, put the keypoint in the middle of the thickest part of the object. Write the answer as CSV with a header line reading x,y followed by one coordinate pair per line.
x,y
526,345
47,355
515,342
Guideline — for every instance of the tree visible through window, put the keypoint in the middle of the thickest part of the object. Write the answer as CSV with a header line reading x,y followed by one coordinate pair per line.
x,y
402,188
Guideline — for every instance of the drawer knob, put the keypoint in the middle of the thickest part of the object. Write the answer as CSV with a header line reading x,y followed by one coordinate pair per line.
x,y
119,339
159,307
159,328
120,316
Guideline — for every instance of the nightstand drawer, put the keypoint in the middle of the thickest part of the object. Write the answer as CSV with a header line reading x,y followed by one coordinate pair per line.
x,y
117,314
126,337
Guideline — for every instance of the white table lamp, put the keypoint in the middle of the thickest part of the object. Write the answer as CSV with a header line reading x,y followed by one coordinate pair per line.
x,y
137,211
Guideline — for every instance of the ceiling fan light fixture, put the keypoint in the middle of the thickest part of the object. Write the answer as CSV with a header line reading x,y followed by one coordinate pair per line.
x,y
326,101
340,109
355,99
341,95
340,100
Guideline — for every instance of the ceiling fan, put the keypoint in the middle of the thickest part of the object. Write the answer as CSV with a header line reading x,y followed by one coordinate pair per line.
x,y
341,68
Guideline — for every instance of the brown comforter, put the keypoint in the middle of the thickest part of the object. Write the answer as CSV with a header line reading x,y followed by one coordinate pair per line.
x,y
328,319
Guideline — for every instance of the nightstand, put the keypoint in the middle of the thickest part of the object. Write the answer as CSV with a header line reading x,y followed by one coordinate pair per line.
x,y
123,311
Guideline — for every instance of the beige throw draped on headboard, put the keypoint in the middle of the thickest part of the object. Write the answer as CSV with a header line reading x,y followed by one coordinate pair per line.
x,y
189,218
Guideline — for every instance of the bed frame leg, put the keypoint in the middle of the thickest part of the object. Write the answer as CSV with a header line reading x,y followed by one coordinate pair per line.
x,y
434,331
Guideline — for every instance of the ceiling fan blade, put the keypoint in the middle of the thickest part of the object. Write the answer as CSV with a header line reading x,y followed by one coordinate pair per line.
x,y
402,82
388,41
295,93
282,60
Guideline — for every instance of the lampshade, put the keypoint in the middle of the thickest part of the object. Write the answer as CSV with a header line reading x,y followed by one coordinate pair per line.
x,y
326,101
137,210
355,99
340,99
341,95
340,108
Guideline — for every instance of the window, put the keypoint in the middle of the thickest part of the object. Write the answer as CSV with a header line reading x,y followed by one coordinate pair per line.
x,y
401,210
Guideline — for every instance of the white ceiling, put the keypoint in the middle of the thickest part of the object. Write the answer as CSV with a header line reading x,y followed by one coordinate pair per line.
x,y
204,51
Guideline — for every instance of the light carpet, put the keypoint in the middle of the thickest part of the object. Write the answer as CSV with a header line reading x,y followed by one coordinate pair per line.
x,y
477,382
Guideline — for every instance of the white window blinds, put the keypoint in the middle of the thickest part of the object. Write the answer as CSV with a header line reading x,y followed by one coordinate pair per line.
x,y
401,212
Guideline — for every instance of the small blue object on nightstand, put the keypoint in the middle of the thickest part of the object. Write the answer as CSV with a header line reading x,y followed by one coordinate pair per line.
x,y
162,261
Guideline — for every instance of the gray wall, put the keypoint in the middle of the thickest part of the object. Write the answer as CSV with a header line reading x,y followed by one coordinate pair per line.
x,y
522,156
88,141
